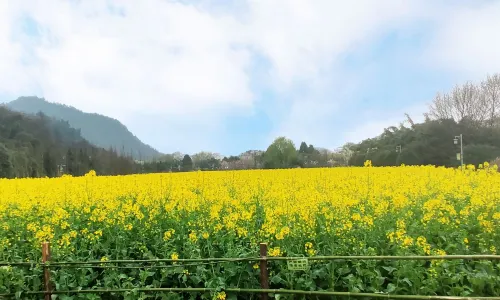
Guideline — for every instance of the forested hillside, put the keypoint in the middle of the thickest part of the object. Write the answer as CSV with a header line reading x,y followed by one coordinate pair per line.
x,y
99,130
36,146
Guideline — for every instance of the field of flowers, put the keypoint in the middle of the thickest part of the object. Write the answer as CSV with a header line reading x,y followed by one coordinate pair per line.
x,y
301,212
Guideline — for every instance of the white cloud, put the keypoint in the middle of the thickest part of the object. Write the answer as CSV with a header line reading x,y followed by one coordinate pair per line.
x,y
189,62
161,57
304,38
13,76
466,39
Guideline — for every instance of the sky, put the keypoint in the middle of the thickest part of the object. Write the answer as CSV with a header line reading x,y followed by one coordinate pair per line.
x,y
231,75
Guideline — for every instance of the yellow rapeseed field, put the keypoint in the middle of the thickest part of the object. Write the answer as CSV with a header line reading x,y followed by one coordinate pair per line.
x,y
405,210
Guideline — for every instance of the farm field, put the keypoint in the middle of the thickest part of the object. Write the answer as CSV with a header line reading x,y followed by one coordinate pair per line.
x,y
300,212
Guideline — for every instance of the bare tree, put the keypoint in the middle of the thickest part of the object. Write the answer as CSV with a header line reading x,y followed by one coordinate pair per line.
x,y
478,103
441,107
491,93
465,102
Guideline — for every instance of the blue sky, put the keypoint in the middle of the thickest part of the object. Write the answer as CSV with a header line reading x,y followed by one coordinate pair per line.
x,y
228,76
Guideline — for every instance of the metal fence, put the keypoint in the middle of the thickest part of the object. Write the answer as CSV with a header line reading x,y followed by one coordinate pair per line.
x,y
263,259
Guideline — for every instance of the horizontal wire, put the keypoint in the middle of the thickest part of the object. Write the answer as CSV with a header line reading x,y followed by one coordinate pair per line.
x,y
248,259
255,291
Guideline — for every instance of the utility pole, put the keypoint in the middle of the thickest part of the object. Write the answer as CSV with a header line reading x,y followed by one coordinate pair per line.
x,y
461,158
399,149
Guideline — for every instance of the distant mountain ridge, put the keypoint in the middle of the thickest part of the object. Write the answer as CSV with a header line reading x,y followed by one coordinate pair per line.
x,y
99,130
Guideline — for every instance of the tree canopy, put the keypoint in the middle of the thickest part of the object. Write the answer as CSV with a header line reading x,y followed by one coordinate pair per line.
x,y
280,154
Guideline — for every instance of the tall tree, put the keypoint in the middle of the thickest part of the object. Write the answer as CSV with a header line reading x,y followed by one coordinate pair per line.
x,y
6,169
491,91
49,164
280,154
303,148
187,163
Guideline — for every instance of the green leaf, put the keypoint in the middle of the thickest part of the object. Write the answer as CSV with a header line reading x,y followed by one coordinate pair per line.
x,y
389,269
408,281
276,279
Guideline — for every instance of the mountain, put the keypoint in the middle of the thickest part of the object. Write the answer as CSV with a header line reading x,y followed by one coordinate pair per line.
x,y
99,130
37,146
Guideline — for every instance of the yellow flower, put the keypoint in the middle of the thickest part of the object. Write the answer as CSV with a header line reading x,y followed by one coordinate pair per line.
x,y
256,266
276,251
91,173
104,258
422,243
168,234
205,235
174,256
220,296
407,241
466,240
193,237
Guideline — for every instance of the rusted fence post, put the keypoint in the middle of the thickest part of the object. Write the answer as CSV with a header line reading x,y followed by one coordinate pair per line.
x,y
46,270
264,278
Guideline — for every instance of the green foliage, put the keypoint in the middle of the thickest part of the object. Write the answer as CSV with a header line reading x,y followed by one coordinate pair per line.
x,y
6,169
99,130
37,146
187,163
430,143
281,154
303,147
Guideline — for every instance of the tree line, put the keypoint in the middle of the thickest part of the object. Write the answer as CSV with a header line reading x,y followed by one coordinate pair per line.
x,y
37,146
281,153
471,110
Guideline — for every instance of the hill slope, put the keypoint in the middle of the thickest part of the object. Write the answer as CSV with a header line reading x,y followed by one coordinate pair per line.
x,y
37,146
99,130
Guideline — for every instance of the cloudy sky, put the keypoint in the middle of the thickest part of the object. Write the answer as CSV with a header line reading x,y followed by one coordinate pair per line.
x,y
231,75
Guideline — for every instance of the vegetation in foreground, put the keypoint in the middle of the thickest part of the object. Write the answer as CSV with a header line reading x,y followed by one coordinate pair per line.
x,y
300,212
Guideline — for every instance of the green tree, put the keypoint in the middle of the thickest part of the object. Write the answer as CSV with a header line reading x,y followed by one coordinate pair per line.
x,y
311,150
280,154
70,162
187,163
49,164
303,148
6,169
